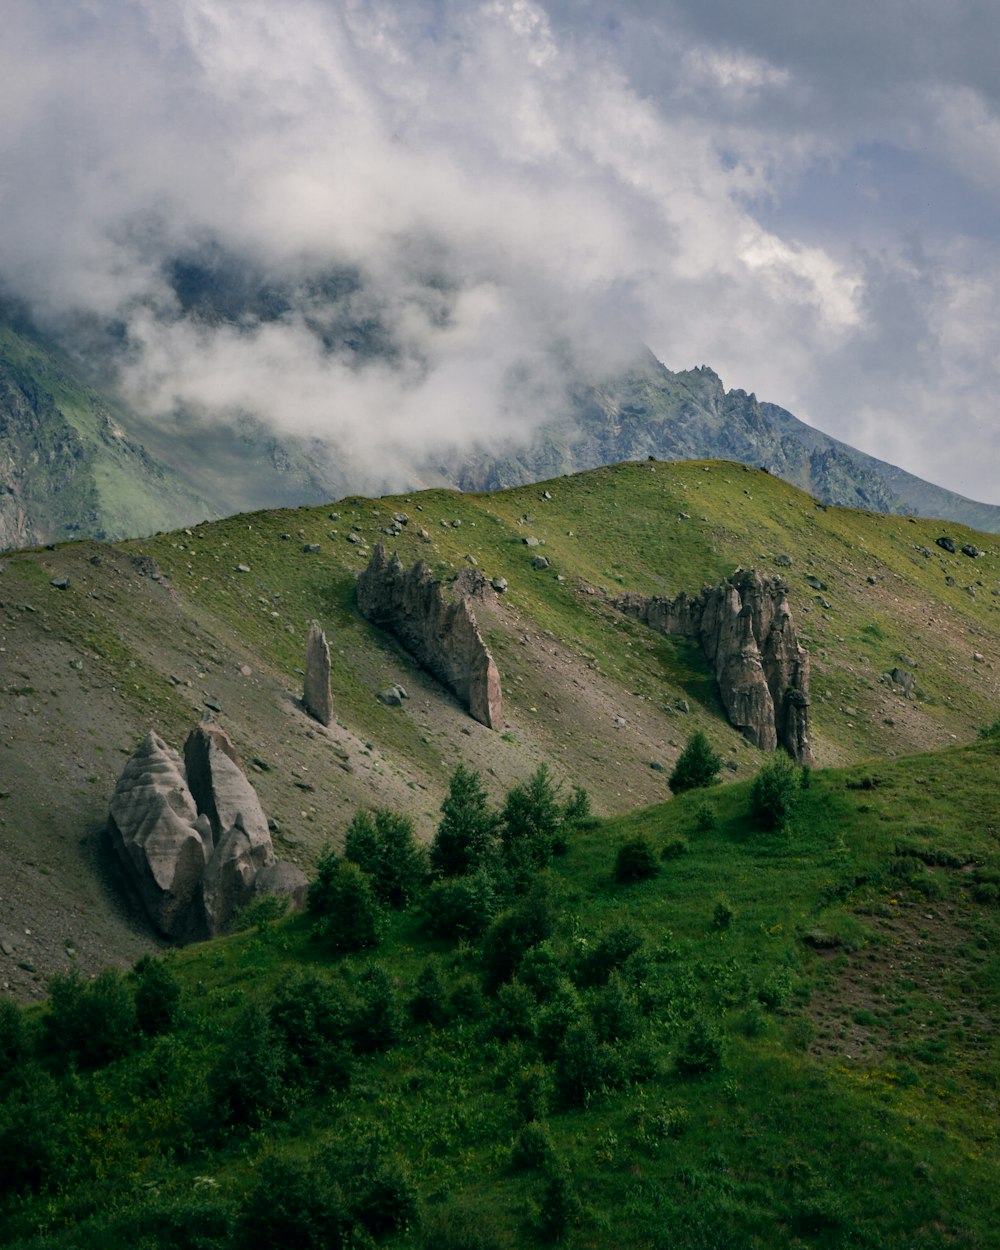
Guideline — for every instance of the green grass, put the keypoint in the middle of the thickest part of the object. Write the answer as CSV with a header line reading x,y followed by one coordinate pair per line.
x,y
834,1119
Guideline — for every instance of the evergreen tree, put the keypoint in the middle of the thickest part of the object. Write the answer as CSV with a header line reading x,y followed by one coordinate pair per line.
x,y
465,837
531,818
382,844
697,766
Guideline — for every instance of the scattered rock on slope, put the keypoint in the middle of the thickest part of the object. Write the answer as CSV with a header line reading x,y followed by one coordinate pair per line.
x,y
316,692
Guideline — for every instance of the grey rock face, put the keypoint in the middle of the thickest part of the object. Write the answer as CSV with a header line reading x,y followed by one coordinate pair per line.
x,y
191,835
437,626
316,692
745,629
154,830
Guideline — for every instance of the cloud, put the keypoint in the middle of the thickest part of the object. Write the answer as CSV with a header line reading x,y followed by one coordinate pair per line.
x,y
520,191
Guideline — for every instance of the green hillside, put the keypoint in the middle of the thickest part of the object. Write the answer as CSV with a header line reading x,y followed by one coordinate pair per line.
x,y
779,1039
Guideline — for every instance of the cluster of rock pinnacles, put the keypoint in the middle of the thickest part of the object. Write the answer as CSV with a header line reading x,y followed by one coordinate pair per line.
x,y
192,837
744,626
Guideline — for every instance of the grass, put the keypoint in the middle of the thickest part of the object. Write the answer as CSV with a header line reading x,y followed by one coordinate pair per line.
x,y
855,1102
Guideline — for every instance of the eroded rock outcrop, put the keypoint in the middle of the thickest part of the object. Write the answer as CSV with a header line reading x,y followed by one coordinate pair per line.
x,y
745,629
316,691
192,836
437,625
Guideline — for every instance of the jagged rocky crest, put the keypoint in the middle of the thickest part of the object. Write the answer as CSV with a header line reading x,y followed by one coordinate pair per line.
x,y
192,836
437,625
746,631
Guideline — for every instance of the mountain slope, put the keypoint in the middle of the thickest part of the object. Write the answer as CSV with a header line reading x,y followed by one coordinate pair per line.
x,y
156,632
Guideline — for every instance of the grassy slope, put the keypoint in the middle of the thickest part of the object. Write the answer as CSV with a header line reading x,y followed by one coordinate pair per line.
x,y
93,667
828,1124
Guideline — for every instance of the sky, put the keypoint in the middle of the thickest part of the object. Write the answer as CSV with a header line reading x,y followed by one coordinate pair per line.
x,y
804,197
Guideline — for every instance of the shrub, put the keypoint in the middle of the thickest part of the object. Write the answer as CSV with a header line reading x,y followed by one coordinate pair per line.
x,y
382,845
615,1011
460,907
323,890
991,731
247,1081
33,1134
723,915
515,1016
773,793
352,919
561,1011
429,1004
674,849
530,820
697,766
541,971
705,819
532,1148
561,1206
514,933
611,952
89,1023
582,1066
531,1093
157,996
466,837
292,1204
385,1199
312,1020
13,1042
635,861
378,1023
701,1049
577,809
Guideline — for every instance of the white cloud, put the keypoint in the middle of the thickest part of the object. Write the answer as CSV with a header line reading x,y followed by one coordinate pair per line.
x,y
508,177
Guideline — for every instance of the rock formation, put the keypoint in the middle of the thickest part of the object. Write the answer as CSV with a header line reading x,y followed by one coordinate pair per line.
x,y
192,837
437,626
316,691
745,629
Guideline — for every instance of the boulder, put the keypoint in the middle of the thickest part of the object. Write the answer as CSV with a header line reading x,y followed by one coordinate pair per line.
x,y
283,880
946,543
155,830
316,690
191,834
745,629
437,625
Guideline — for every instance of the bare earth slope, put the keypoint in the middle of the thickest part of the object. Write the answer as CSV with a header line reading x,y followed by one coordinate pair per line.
x,y
158,632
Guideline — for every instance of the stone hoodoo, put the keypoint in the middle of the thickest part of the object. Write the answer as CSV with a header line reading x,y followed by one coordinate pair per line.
x,y
437,625
192,836
316,691
746,632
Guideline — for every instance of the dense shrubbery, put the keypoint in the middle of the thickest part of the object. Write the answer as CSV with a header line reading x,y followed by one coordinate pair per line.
x,y
635,861
347,914
382,844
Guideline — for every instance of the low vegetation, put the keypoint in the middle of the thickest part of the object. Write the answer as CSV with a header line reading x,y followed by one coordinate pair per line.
x,y
700,1025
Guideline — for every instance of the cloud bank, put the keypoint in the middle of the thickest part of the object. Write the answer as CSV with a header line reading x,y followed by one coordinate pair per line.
x,y
510,192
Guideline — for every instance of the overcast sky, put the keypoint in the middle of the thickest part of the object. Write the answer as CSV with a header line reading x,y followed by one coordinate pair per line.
x,y
803,196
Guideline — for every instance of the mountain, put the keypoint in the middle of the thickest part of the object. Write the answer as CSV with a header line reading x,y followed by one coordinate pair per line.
x,y
649,410
73,460
681,1021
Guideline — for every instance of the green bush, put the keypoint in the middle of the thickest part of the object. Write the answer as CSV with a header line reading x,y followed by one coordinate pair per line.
x,y
312,1021
292,1204
247,1082
383,845
33,1133
13,1038
460,907
429,1004
635,861
351,918
611,952
532,1148
89,1023
378,1023
515,1012
701,1049
696,767
511,935
583,1066
561,1207
774,793
530,821
723,915
674,849
466,837
531,1093
385,1199
561,1010
157,996
615,1011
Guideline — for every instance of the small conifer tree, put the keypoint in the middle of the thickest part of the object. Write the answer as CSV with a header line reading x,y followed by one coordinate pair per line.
x,y
697,766
465,837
